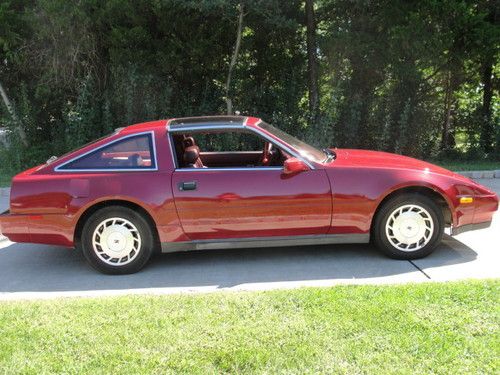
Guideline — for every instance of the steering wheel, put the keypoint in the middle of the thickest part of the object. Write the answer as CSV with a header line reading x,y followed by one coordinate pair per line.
x,y
266,154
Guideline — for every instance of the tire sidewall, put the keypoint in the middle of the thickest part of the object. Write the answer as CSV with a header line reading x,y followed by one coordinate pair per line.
x,y
142,225
380,235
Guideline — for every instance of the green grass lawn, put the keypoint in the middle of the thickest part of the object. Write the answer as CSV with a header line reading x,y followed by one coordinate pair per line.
x,y
446,328
480,165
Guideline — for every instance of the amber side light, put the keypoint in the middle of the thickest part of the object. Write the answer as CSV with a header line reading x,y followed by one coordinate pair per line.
x,y
466,200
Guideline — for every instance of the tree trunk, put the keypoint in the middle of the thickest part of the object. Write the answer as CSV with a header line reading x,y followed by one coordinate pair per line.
x,y
234,58
15,119
487,129
312,60
446,127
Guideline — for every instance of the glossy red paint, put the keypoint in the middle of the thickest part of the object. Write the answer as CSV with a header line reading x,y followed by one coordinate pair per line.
x,y
340,197
252,203
362,179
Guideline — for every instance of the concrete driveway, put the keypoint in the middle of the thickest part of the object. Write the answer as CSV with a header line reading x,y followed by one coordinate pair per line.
x,y
37,271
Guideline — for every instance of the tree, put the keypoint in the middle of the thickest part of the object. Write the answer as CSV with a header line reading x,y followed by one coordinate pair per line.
x,y
401,76
11,25
234,58
491,48
312,61
13,114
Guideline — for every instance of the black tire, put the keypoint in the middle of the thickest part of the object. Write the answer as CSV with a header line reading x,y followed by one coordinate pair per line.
x,y
144,233
385,244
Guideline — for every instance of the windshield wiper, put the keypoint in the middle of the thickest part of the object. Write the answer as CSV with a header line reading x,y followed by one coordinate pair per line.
x,y
330,155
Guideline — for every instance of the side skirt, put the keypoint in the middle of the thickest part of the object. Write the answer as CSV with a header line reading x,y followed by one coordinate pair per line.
x,y
468,227
254,242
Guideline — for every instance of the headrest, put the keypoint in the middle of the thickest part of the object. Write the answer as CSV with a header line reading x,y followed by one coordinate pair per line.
x,y
135,160
191,154
188,142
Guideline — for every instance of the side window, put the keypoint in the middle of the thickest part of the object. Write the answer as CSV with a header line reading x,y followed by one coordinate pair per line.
x,y
131,153
228,141
225,149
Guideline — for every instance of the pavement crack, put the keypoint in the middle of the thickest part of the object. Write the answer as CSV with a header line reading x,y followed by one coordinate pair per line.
x,y
420,269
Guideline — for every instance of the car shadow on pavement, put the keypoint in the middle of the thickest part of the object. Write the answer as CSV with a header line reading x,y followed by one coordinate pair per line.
x,y
38,268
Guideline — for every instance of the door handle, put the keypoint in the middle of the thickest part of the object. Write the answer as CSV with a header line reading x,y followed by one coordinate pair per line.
x,y
189,185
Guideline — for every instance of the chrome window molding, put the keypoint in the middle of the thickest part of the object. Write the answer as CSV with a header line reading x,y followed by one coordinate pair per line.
x,y
174,154
151,135
230,152
237,127
205,127
219,169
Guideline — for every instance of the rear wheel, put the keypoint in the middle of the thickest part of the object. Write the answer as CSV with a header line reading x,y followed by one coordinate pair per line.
x,y
408,226
117,240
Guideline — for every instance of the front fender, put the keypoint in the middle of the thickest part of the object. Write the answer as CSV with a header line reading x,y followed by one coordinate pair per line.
x,y
359,191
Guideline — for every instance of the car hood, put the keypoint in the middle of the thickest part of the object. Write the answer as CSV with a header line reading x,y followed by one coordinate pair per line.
x,y
378,159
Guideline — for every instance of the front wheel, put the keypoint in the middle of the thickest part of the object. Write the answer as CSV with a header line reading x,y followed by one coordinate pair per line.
x,y
408,226
117,240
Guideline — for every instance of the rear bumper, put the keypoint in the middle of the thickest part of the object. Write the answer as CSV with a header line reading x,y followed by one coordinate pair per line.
x,y
14,227
469,227
2,237
52,229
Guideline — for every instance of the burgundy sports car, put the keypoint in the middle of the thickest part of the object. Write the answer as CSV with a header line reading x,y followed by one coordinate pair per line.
x,y
234,182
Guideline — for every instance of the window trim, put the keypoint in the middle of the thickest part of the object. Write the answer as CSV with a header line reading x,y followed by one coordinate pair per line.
x,y
220,169
232,127
151,136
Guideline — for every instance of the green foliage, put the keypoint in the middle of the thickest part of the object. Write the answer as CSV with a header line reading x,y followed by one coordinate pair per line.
x,y
469,165
393,74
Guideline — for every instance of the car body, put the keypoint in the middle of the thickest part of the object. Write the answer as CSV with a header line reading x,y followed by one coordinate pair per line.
x,y
236,202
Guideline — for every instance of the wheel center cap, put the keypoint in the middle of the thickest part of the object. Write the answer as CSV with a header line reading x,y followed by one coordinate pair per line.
x,y
409,228
116,241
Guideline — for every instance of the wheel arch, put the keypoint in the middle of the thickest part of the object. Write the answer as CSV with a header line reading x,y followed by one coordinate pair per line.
x,y
89,211
428,191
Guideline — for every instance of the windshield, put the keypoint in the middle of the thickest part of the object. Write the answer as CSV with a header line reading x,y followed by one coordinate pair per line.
x,y
305,150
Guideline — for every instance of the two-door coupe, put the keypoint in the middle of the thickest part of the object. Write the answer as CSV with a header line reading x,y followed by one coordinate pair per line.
x,y
234,182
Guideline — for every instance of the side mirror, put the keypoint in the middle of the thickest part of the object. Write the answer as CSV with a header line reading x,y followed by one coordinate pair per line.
x,y
294,165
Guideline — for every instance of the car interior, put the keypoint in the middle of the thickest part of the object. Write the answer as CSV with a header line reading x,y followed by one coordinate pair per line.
x,y
198,150
126,159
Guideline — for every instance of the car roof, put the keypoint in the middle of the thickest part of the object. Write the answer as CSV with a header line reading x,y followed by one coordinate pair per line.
x,y
190,122
206,120
143,126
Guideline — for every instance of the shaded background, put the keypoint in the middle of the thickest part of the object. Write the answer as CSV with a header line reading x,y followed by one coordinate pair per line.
x,y
413,77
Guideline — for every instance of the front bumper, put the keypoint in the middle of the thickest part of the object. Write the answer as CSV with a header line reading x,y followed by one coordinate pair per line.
x,y
478,215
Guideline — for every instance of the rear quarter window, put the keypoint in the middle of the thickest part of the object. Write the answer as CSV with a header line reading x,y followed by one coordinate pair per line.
x,y
134,152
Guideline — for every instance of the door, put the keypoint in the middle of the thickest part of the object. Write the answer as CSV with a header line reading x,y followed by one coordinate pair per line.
x,y
251,202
